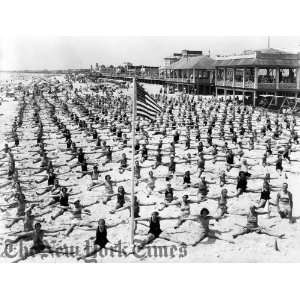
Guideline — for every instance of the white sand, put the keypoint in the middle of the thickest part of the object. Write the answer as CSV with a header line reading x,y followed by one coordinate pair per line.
x,y
248,248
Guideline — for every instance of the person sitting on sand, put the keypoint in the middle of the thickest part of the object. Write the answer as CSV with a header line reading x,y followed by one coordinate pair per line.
x,y
37,236
185,210
77,211
101,240
202,188
95,174
222,201
29,218
284,202
204,231
155,230
252,224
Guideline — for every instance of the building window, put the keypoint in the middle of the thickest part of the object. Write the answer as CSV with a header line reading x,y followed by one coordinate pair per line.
x,y
238,76
205,74
229,74
287,75
220,74
266,75
249,75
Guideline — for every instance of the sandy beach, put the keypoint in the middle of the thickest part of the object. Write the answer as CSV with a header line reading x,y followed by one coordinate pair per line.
x,y
248,248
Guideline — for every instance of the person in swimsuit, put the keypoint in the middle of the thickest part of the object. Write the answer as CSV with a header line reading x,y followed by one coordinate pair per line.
x,y
120,197
252,224
241,183
95,174
63,202
154,230
151,180
101,240
37,237
123,163
185,210
169,195
284,202
202,188
29,219
204,231
222,202
137,204
108,185
264,201
278,164
186,178
77,211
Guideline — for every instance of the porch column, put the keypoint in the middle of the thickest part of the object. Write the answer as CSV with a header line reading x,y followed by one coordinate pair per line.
x,y
298,78
224,76
277,78
216,72
194,75
255,77
254,98
233,77
244,72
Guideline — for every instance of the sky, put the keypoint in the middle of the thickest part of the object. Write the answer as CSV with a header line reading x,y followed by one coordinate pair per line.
x,y
63,52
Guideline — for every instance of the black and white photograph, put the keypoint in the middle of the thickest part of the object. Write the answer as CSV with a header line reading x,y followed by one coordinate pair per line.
x,y
149,149
193,159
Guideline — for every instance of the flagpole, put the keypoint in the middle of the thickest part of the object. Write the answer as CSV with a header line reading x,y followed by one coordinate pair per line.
x,y
134,98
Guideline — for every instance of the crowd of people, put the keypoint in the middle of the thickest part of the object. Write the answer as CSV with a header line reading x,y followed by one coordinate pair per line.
x,y
66,162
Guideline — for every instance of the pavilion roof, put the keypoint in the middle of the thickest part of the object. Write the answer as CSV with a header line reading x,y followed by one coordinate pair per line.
x,y
259,62
193,62
269,57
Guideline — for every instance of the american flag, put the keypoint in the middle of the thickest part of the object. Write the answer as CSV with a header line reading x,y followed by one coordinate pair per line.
x,y
146,106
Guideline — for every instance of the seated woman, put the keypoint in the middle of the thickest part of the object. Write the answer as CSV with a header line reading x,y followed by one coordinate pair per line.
x,y
77,213
28,220
284,202
108,185
39,246
169,195
202,188
222,201
155,230
204,231
95,174
184,206
186,178
101,240
120,197
62,199
123,163
252,224
150,182
264,201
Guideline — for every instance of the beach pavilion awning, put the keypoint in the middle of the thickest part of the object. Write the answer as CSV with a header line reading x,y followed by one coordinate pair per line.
x,y
258,62
194,62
